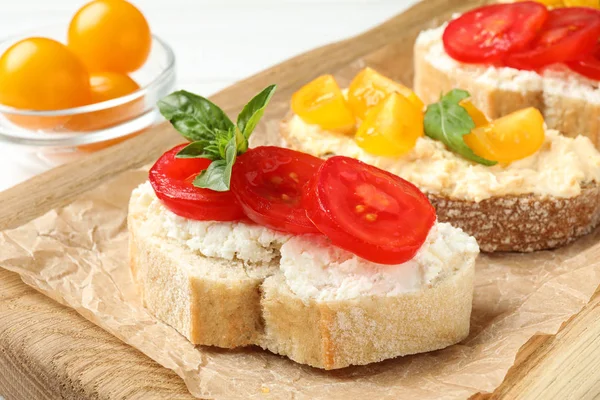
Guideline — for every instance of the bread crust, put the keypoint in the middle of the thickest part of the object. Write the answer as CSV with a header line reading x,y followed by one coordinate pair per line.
x,y
523,223
324,334
217,312
335,334
430,83
570,115
519,223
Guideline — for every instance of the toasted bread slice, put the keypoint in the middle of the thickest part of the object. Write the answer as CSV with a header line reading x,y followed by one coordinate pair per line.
x,y
519,223
213,301
569,102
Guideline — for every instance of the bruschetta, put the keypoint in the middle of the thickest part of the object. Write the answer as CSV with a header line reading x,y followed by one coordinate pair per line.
x,y
330,263
535,59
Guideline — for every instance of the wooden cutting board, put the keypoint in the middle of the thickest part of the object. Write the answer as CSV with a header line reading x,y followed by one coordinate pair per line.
x,y
48,351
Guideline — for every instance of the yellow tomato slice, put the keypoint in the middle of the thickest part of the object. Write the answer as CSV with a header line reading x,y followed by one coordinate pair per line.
x,y
369,87
391,128
510,138
551,3
476,114
322,103
581,3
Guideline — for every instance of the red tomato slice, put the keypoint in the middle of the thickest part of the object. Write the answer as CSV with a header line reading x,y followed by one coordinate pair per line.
x,y
567,34
172,180
588,65
367,211
268,182
488,33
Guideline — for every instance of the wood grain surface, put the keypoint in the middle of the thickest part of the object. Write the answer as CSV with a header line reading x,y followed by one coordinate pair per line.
x,y
48,351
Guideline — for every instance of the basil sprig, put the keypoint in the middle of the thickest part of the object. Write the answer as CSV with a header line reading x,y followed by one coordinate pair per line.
x,y
211,132
448,121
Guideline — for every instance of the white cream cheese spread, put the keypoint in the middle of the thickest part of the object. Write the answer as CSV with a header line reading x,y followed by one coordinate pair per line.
x,y
312,266
314,269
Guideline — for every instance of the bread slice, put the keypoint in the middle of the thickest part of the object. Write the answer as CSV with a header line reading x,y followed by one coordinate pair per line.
x,y
569,102
523,223
185,289
517,223
336,334
212,301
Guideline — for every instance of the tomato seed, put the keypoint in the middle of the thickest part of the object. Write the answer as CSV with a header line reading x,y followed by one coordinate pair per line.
x,y
371,217
276,180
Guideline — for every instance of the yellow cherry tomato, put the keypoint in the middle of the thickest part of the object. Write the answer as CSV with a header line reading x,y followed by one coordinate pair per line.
x,y
391,128
475,113
322,103
551,3
107,86
110,35
369,87
581,3
110,85
42,74
510,138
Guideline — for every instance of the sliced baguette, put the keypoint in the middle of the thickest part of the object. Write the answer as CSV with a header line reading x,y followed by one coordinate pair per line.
x,y
522,223
336,334
211,301
185,290
569,102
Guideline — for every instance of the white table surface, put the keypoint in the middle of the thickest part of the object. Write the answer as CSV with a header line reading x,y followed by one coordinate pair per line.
x,y
216,42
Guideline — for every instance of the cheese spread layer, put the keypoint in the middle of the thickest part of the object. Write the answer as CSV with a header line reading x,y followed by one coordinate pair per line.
x,y
313,268
560,168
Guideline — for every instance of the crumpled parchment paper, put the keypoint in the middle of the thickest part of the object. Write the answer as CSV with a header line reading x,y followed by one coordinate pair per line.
x,y
78,256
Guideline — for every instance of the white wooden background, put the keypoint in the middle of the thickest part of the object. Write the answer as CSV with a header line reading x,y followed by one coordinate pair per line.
x,y
216,42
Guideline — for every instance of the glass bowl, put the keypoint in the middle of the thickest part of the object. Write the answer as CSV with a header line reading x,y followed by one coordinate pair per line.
x,y
62,135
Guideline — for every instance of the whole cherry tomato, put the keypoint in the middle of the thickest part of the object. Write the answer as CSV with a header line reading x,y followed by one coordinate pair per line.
x,y
110,35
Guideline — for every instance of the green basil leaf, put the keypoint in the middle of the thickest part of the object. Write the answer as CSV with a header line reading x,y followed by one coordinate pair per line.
x,y
254,110
221,141
195,150
455,96
447,121
218,174
212,177
231,153
212,133
195,117
242,142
